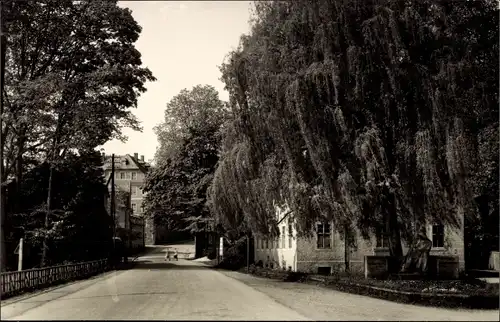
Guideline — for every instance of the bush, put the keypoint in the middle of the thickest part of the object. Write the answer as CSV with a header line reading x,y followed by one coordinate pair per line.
x,y
295,277
210,253
234,257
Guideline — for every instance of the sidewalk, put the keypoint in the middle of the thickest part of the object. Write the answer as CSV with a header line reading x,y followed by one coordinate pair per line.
x,y
206,262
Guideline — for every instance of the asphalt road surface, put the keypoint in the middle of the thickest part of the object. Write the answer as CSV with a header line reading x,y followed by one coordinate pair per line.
x,y
187,290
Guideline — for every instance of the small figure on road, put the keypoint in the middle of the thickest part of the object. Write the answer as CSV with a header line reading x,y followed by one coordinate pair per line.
x,y
176,254
167,254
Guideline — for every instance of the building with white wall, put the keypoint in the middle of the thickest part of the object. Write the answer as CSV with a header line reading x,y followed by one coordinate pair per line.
x,y
326,252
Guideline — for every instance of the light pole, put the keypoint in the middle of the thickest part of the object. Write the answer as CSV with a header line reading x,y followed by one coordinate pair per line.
x,y
112,210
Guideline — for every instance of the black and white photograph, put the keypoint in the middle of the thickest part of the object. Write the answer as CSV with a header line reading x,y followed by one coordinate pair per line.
x,y
295,160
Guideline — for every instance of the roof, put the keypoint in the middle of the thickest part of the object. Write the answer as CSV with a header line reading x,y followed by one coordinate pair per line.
x,y
142,166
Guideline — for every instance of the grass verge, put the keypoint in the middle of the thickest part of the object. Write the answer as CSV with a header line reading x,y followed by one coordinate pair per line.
x,y
471,294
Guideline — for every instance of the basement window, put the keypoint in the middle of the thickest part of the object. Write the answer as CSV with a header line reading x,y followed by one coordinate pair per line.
x,y
324,270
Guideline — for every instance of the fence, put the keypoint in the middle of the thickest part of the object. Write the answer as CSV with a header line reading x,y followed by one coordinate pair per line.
x,y
14,283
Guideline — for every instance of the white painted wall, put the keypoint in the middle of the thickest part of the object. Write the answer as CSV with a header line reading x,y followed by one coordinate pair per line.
x,y
280,253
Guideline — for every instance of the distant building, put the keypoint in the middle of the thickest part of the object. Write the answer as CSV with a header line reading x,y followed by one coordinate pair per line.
x,y
130,173
325,252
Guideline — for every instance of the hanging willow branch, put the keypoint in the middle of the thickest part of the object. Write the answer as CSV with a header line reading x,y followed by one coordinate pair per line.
x,y
342,106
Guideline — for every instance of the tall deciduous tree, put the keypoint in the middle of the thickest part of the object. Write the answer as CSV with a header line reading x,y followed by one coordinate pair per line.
x,y
186,159
190,109
73,74
368,113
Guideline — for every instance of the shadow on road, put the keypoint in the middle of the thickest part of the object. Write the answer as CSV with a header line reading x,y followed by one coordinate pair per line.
x,y
166,265
100,296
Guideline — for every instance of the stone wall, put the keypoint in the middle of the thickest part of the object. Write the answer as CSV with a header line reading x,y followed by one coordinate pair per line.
x,y
309,257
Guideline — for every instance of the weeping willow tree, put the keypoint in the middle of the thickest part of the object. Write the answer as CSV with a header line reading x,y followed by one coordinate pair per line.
x,y
371,114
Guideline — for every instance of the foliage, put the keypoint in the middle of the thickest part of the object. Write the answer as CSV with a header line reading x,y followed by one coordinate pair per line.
x,y
233,258
369,114
210,254
190,109
72,75
79,226
176,187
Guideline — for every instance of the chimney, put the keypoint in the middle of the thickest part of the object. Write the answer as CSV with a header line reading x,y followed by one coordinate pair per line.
x,y
142,158
136,156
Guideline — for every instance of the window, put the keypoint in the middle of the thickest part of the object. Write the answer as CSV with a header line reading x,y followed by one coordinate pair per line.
x,y
382,238
290,235
128,175
267,243
122,175
136,191
323,235
324,270
134,175
134,207
283,236
437,236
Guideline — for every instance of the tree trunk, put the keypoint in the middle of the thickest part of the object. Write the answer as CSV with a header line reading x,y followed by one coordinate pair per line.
x,y
347,249
53,155
46,223
19,169
392,227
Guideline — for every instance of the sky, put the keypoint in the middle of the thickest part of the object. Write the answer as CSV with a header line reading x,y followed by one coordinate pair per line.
x,y
182,43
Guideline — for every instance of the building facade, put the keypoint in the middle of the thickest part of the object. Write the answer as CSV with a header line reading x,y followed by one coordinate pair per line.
x,y
326,252
130,174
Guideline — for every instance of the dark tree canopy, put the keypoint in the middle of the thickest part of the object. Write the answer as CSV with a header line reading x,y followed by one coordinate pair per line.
x,y
72,76
368,113
79,223
186,159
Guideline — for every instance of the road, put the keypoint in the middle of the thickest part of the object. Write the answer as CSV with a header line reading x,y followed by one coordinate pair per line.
x,y
187,290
